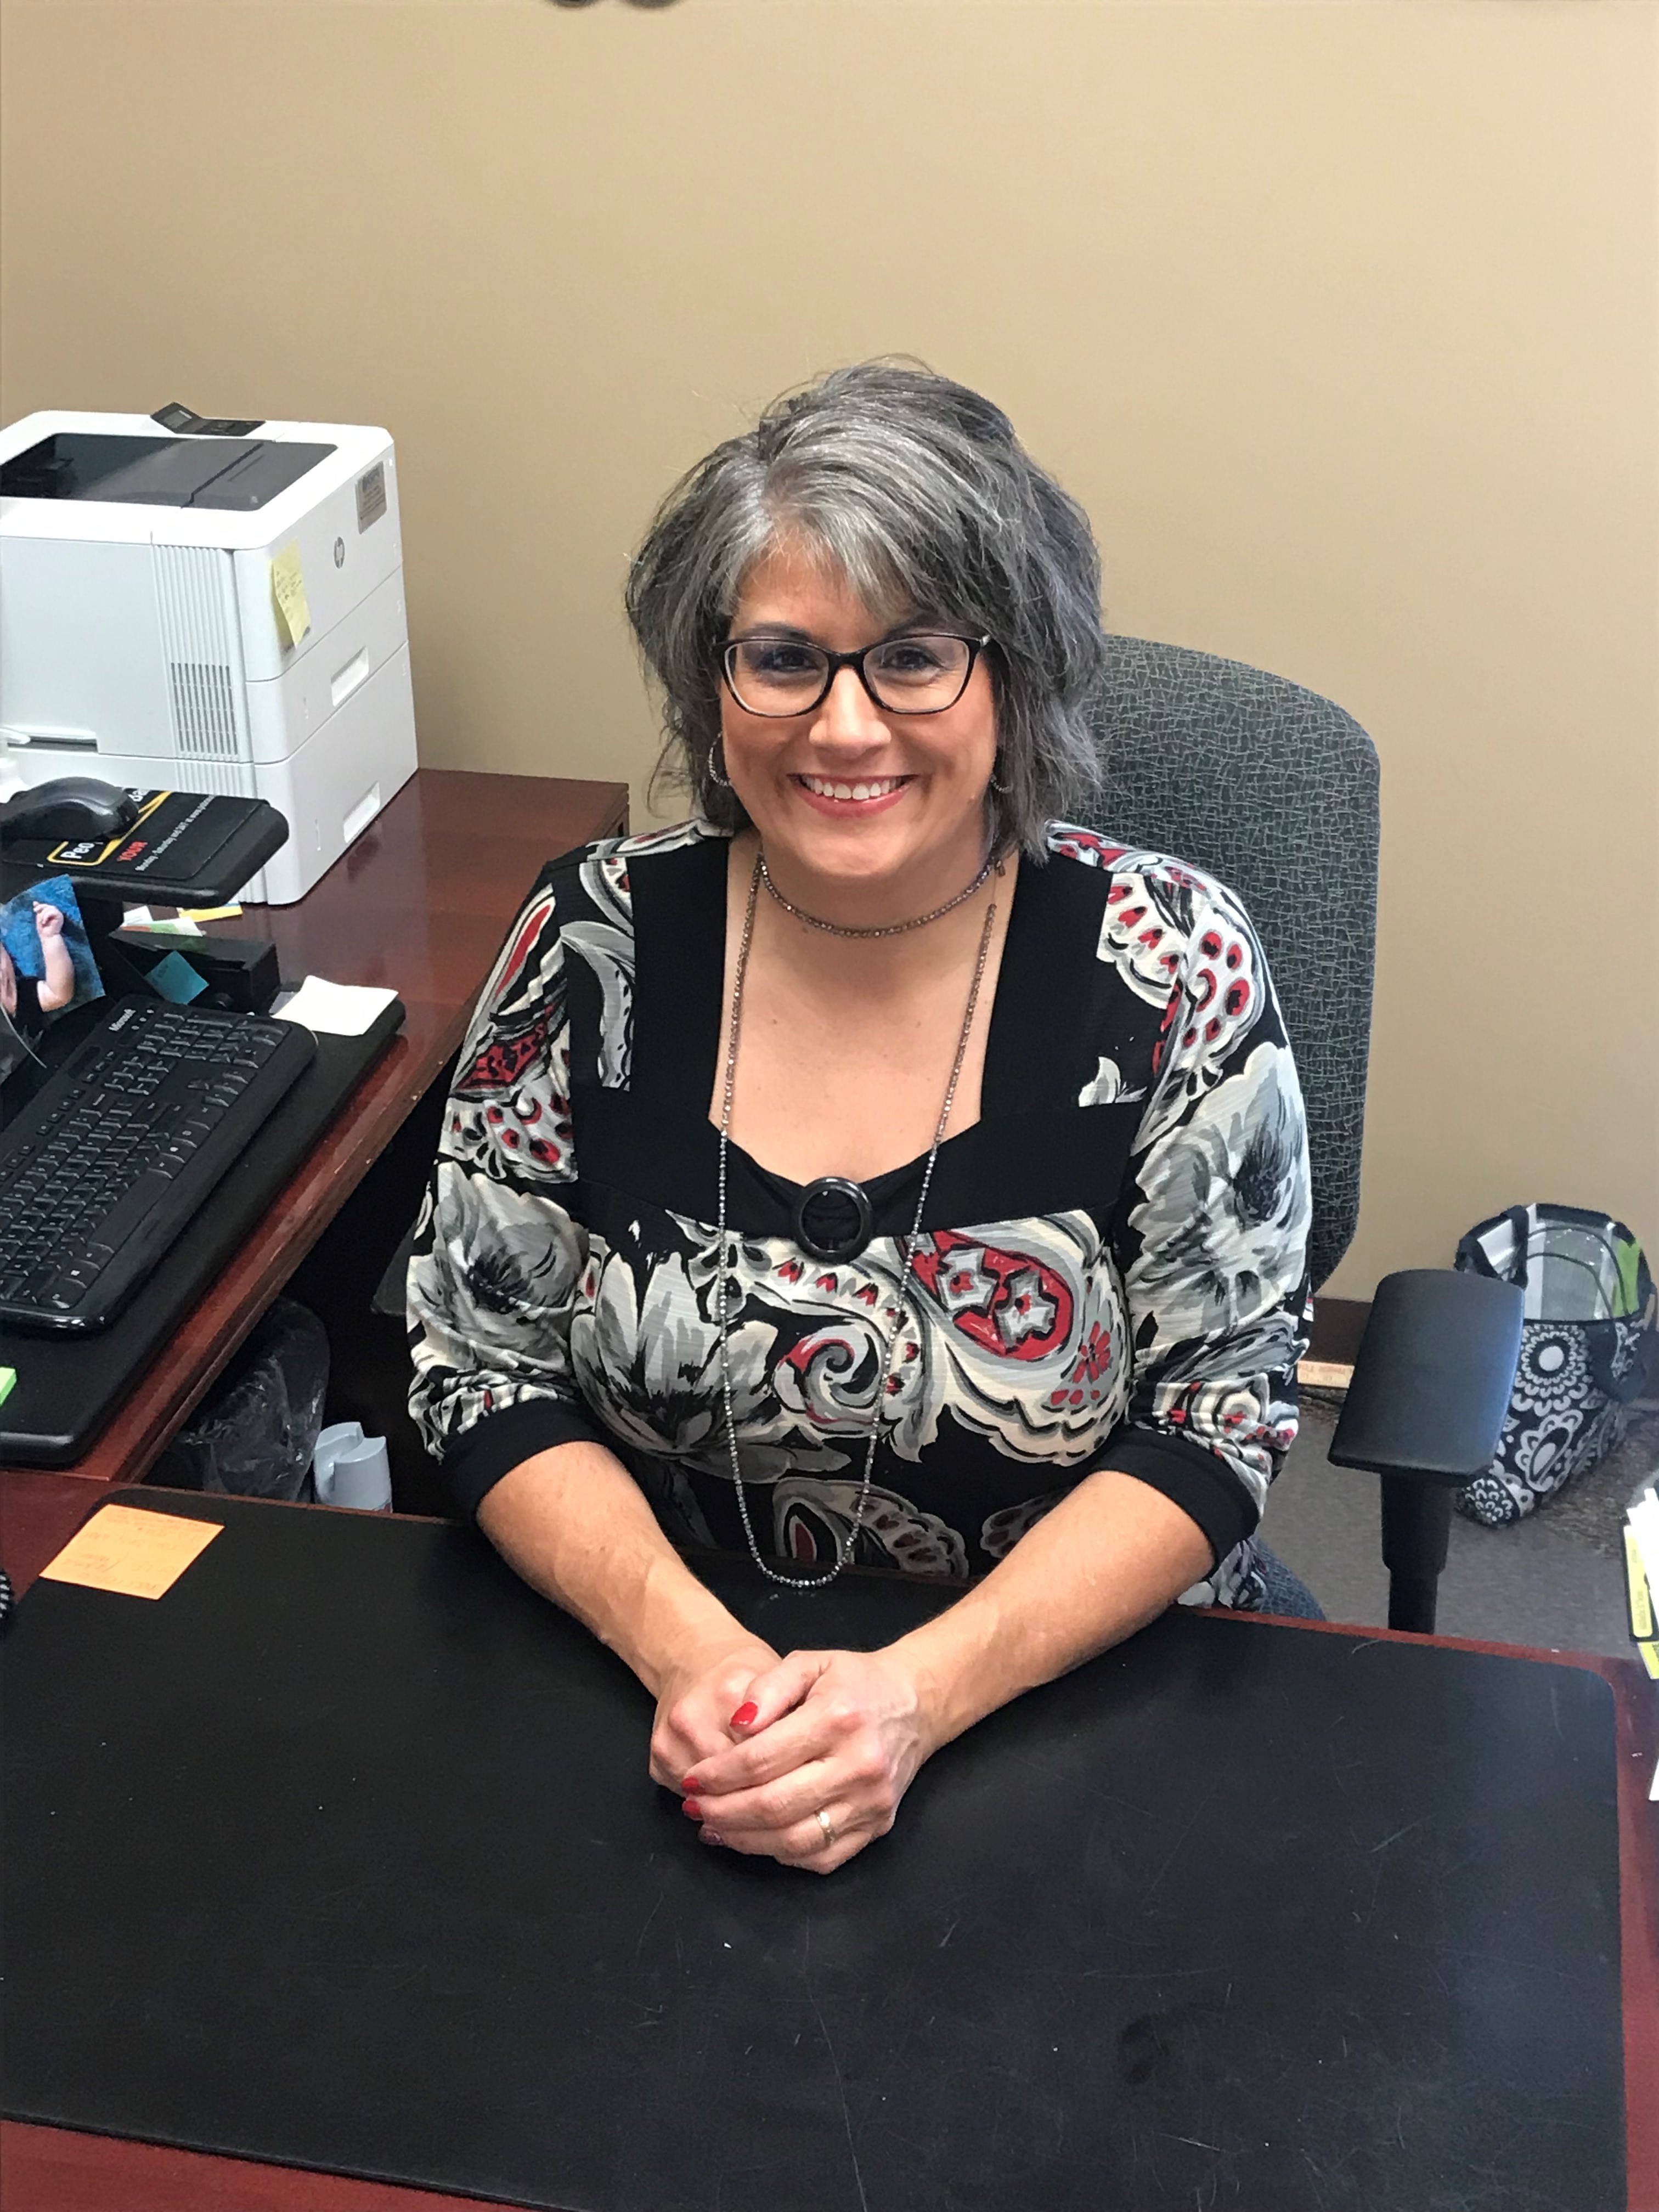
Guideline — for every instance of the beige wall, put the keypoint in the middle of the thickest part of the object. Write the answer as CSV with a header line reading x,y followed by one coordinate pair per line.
x,y
1341,318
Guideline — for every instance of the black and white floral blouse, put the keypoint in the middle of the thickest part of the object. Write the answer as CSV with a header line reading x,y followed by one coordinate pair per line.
x,y
1111,1271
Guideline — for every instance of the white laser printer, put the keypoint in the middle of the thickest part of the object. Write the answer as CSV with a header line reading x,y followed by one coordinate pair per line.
x,y
214,609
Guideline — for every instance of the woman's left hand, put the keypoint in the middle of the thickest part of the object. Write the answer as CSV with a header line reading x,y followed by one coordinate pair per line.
x,y
837,1733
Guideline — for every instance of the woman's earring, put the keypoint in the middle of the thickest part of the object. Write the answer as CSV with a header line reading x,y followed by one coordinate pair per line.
x,y
717,773
997,790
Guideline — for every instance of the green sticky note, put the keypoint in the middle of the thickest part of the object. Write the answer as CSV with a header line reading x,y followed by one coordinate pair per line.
x,y
1627,1255
7,1376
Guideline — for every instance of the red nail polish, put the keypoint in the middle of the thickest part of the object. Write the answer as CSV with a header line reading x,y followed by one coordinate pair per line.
x,y
691,1810
688,1788
746,1715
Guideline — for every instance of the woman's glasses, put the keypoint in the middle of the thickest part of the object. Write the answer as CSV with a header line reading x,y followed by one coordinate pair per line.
x,y
923,672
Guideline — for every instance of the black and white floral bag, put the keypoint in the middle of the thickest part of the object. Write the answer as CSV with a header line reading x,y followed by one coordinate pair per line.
x,y
1584,1349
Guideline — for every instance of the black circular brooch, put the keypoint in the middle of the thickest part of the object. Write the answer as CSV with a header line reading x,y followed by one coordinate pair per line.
x,y
832,1218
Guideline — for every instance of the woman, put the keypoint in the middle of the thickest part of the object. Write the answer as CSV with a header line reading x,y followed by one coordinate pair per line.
x,y
871,1168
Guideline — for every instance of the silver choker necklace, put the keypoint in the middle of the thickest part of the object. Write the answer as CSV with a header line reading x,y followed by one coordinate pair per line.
x,y
722,1268
879,929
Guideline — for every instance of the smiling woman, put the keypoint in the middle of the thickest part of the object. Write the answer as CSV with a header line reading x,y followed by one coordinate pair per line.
x,y
912,496
873,1169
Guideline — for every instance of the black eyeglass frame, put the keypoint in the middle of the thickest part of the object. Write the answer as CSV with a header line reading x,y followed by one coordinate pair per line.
x,y
834,662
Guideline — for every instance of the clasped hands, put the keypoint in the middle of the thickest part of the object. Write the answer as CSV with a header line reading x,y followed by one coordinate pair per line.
x,y
760,1745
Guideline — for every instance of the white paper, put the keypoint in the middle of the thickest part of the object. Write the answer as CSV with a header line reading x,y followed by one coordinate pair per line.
x,y
140,917
334,1009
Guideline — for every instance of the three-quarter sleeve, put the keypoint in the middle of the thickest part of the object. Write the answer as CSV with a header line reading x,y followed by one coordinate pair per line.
x,y
1212,1232
498,1257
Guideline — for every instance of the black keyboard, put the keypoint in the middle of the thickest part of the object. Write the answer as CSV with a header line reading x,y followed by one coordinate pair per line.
x,y
112,1159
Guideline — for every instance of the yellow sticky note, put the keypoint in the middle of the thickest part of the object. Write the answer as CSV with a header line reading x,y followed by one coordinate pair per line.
x,y
209,913
137,1554
287,589
1636,1588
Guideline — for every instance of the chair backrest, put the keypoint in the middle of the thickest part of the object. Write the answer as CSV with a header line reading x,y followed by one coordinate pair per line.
x,y
1273,790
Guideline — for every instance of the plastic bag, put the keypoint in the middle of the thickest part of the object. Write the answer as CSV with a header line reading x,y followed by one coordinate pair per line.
x,y
255,1434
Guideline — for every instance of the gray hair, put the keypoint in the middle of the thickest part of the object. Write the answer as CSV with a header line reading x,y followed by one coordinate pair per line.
x,y
917,490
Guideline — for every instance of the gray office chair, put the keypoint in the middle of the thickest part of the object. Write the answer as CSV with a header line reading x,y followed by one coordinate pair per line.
x,y
1275,790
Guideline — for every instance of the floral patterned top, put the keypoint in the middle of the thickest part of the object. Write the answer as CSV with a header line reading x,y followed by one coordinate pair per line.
x,y
1111,1272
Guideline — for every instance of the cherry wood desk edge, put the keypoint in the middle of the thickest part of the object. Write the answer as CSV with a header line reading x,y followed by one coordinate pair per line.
x,y
45,2169
564,812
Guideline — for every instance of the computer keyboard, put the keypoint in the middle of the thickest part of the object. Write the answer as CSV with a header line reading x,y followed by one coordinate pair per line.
x,y
112,1159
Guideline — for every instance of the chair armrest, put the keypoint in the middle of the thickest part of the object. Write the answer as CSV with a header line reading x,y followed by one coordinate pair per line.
x,y
389,1297
1432,1378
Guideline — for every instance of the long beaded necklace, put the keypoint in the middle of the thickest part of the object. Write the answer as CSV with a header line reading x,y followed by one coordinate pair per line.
x,y
844,1551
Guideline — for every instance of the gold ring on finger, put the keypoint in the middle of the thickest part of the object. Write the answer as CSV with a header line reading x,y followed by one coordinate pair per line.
x,y
828,1828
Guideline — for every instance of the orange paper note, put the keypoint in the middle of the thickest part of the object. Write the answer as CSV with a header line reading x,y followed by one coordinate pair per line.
x,y
138,1553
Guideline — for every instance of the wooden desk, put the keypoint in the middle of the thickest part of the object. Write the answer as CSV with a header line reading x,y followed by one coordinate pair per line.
x,y
419,904
52,2170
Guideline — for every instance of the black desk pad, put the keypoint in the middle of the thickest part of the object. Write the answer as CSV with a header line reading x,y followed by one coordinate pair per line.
x,y
68,1386
342,1855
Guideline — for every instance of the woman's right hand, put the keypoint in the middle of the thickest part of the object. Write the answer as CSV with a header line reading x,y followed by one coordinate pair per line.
x,y
698,1697
574,1524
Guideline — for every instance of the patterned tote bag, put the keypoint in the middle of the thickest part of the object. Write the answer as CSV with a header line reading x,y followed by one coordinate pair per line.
x,y
1584,1346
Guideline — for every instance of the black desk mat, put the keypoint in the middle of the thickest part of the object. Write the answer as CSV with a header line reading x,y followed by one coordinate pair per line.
x,y
342,1855
68,1386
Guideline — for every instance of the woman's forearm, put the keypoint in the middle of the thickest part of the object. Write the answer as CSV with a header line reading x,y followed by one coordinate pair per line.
x,y
574,1524
1108,1558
